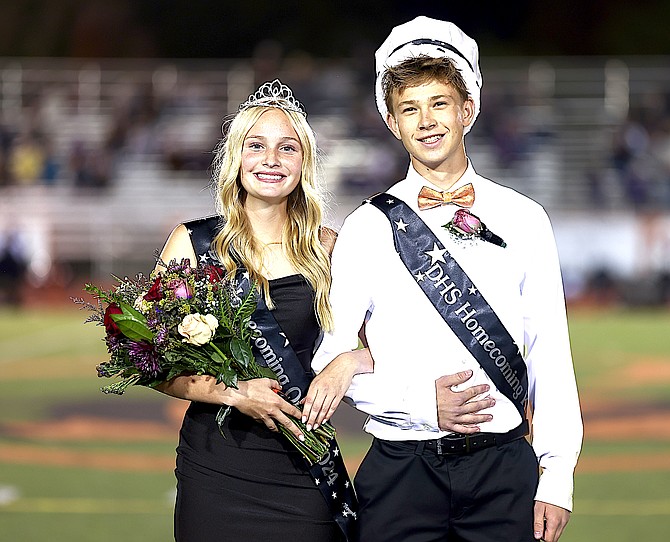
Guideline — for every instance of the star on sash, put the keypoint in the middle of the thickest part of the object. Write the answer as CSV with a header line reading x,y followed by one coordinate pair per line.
x,y
189,231
204,258
401,225
437,254
419,276
390,201
472,290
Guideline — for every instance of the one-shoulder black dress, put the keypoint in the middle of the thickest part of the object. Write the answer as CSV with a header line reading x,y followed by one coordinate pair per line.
x,y
252,485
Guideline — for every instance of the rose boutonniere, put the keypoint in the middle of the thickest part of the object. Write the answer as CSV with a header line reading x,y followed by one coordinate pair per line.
x,y
465,225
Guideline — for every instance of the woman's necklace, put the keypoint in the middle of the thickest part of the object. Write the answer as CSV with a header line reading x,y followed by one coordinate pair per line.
x,y
266,245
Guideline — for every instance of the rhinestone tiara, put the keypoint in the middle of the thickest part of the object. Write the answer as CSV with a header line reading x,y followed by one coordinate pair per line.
x,y
274,94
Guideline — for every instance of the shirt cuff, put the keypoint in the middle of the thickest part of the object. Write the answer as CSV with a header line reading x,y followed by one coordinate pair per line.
x,y
556,488
421,404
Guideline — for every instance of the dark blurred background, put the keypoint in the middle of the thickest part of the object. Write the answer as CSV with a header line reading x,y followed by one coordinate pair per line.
x,y
326,29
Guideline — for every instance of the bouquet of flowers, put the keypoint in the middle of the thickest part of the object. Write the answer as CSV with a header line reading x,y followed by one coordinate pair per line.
x,y
184,320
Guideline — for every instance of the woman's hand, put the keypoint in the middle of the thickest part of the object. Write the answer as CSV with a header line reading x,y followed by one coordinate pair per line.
x,y
329,386
259,399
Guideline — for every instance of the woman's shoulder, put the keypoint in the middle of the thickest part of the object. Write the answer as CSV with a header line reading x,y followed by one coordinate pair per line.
x,y
190,238
201,232
177,247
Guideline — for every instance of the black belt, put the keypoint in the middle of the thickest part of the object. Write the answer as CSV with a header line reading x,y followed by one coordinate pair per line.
x,y
460,444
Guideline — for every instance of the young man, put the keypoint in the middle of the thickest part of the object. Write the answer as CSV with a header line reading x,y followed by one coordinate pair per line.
x,y
457,279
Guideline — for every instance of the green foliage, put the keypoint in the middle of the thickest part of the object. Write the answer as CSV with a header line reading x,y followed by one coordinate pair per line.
x,y
132,324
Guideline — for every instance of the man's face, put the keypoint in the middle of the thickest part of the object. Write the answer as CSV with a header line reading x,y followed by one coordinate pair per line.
x,y
429,120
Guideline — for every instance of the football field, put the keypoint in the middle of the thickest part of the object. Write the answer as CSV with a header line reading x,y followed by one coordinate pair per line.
x,y
77,465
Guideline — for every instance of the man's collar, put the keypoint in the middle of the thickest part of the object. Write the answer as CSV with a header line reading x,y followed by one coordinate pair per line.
x,y
413,176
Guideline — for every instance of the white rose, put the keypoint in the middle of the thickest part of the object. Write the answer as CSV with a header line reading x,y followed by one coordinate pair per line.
x,y
198,329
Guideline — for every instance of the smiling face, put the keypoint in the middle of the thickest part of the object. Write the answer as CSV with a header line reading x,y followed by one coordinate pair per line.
x,y
271,159
429,120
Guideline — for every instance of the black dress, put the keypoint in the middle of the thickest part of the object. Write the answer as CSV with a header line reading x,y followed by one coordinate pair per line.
x,y
251,485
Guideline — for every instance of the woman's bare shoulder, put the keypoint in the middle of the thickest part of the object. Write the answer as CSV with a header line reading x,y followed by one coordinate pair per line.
x,y
178,246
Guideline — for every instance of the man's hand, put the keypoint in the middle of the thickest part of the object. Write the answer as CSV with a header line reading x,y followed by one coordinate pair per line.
x,y
550,521
456,410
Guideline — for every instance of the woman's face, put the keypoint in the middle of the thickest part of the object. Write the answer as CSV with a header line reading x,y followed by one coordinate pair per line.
x,y
271,159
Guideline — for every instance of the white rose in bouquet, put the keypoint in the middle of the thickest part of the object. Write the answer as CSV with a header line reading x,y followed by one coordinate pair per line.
x,y
198,329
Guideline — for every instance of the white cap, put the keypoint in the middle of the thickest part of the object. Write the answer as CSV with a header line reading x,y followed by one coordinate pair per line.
x,y
426,36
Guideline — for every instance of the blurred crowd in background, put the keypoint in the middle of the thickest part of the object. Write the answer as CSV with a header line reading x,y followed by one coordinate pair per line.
x,y
110,110
34,151
102,131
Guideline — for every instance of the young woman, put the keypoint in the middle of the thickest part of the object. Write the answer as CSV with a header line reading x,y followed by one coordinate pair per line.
x,y
252,485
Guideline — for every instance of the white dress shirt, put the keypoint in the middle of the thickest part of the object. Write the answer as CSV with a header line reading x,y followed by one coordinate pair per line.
x,y
412,346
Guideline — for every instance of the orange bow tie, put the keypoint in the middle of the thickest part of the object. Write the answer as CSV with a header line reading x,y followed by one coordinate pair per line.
x,y
463,197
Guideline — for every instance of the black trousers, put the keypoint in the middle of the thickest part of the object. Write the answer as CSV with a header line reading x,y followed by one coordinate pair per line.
x,y
410,494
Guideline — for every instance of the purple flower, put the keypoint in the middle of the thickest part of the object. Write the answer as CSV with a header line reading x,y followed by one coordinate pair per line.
x,y
152,320
114,343
145,358
161,336
183,267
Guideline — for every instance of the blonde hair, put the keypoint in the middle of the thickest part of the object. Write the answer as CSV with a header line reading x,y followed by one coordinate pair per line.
x,y
235,243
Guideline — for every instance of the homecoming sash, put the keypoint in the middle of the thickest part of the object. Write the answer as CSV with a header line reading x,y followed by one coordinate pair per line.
x,y
271,349
457,299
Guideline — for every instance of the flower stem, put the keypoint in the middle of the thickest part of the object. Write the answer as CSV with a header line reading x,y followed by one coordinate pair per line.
x,y
316,443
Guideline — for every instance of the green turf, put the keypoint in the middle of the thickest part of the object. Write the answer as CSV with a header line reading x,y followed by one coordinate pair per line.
x,y
624,507
47,363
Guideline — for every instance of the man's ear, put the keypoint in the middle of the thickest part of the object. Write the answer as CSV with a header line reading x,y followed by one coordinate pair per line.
x,y
468,112
392,125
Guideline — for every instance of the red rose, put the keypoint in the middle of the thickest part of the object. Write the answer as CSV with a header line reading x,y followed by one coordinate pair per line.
x,y
154,293
214,273
110,325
